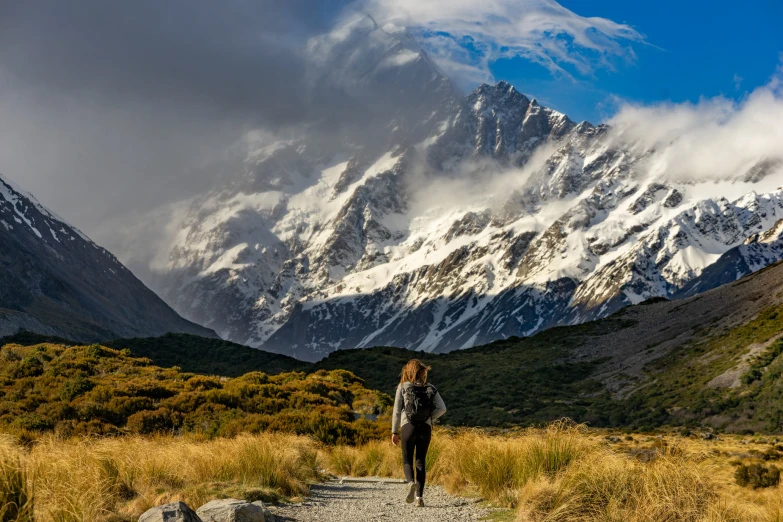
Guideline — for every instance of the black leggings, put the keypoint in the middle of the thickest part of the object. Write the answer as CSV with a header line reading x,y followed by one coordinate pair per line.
x,y
416,437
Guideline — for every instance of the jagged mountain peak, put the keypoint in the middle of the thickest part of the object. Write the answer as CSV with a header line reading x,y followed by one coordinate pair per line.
x,y
498,96
29,211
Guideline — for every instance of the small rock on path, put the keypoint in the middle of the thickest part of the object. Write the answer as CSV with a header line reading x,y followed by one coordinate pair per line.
x,y
377,501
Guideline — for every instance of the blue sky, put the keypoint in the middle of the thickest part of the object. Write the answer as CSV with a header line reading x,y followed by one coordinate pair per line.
x,y
694,49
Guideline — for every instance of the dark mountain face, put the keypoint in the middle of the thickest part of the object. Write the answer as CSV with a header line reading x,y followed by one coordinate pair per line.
x,y
55,281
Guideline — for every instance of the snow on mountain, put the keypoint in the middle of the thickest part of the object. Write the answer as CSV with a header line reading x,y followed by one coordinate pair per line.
x,y
453,220
54,280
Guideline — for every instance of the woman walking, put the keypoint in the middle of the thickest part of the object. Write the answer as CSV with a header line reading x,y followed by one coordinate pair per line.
x,y
416,404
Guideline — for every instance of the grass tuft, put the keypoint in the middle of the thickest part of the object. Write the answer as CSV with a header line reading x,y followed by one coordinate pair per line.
x,y
16,492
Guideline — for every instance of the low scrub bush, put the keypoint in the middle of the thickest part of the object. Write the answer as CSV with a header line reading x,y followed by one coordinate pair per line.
x,y
95,390
757,476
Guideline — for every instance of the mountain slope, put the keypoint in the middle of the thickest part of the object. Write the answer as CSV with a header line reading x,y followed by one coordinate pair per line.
x,y
55,281
454,221
713,360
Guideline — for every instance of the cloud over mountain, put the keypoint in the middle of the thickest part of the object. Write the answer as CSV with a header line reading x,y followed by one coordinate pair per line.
x,y
712,139
465,36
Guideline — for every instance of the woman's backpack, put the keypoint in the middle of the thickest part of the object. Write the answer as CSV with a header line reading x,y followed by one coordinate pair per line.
x,y
419,402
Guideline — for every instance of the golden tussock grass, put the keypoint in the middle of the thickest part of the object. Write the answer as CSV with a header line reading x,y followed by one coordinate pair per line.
x,y
557,474
120,478
565,473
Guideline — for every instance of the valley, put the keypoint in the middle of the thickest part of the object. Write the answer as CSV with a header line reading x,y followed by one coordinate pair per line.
x,y
287,202
708,361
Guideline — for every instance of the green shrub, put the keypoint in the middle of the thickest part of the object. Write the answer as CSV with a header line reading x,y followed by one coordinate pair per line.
x,y
147,422
33,422
761,361
30,366
203,383
75,387
757,476
97,390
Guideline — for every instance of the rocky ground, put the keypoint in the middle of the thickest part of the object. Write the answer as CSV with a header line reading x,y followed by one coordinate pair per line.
x,y
377,501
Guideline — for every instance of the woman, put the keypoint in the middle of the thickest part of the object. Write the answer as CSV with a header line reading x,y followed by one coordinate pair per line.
x,y
416,405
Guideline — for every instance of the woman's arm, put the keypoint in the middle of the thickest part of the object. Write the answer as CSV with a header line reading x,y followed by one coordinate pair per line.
x,y
439,406
396,414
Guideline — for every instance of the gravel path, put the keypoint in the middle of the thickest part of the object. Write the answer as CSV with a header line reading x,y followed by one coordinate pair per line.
x,y
377,501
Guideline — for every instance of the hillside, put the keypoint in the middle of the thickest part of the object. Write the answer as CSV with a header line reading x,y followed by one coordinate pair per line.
x,y
91,390
707,360
54,280
191,353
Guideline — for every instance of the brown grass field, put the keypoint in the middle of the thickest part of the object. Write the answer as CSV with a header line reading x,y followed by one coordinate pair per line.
x,y
559,473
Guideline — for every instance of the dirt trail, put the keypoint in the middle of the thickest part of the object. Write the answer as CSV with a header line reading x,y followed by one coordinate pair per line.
x,y
377,501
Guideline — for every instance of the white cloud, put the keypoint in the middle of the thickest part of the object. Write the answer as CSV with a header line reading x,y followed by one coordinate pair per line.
x,y
715,139
541,31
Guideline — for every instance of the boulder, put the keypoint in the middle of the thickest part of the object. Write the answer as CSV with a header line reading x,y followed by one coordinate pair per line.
x,y
232,510
269,517
174,512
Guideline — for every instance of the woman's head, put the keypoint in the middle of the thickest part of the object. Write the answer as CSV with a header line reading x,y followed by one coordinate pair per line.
x,y
414,371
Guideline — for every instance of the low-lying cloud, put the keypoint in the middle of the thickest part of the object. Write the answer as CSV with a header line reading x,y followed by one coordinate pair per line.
x,y
714,139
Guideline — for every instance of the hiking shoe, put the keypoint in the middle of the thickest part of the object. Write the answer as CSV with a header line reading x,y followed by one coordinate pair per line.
x,y
411,492
419,502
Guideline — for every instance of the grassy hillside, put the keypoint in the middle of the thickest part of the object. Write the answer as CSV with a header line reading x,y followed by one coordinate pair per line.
x,y
728,380
84,390
732,380
713,360
511,382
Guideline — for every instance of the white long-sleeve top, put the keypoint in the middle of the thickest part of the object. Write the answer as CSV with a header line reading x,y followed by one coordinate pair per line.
x,y
399,418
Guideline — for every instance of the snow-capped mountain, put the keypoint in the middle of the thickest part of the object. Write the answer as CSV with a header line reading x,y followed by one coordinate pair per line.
x,y
55,281
457,221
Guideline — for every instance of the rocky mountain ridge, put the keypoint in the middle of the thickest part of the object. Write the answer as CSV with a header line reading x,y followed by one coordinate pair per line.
x,y
54,280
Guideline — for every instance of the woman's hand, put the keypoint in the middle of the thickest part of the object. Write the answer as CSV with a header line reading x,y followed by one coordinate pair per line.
x,y
395,439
